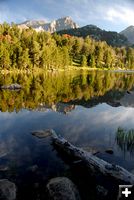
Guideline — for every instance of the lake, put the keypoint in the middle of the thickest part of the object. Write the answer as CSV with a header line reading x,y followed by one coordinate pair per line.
x,y
87,108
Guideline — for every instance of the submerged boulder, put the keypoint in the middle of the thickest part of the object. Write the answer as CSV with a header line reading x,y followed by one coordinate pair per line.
x,y
7,190
101,192
33,168
43,133
61,188
14,86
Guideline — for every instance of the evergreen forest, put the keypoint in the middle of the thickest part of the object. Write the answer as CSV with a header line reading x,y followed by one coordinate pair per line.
x,y
25,49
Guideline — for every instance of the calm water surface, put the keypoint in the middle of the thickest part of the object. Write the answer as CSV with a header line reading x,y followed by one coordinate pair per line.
x,y
85,108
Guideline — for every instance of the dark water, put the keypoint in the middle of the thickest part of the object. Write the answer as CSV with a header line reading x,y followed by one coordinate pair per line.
x,y
85,108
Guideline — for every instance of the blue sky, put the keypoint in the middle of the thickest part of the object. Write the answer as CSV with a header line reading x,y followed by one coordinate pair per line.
x,y
110,15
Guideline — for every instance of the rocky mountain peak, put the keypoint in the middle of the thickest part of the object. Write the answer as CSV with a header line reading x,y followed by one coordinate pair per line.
x,y
55,25
33,23
129,33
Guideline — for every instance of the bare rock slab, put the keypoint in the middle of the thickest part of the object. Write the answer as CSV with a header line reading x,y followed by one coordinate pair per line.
x,y
61,188
7,190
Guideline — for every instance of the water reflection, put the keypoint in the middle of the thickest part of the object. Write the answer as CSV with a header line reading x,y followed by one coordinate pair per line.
x,y
85,108
59,107
87,89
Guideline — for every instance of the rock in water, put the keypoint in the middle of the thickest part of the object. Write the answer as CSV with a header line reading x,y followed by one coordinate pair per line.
x,y
101,191
61,188
42,133
110,151
12,87
3,168
128,92
33,168
7,190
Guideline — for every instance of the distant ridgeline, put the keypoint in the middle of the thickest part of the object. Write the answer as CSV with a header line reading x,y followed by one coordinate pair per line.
x,y
45,90
26,49
112,38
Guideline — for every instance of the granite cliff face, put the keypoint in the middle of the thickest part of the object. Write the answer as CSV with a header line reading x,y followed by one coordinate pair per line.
x,y
54,26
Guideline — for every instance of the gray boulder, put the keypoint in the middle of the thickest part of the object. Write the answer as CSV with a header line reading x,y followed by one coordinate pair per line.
x,y
61,188
12,87
7,190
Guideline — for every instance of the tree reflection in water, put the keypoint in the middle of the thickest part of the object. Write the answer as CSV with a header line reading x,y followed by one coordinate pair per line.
x,y
80,88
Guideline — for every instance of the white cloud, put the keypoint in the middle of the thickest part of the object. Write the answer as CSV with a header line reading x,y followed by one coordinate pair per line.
x,y
105,14
120,14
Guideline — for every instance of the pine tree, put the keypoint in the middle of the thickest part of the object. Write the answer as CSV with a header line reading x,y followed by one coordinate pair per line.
x,y
92,63
34,53
4,57
23,60
83,61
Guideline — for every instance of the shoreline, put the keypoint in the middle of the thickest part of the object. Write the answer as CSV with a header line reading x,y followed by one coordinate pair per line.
x,y
70,68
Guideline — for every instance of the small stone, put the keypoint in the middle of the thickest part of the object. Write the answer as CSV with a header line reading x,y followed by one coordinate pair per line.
x,y
7,190
61,188
33,168
101,191
3,168
110,151
128,92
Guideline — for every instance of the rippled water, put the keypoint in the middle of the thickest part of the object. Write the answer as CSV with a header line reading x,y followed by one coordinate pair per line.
x,y
85,108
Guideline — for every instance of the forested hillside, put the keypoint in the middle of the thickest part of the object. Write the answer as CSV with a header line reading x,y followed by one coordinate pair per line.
x,y
111,37
27,49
